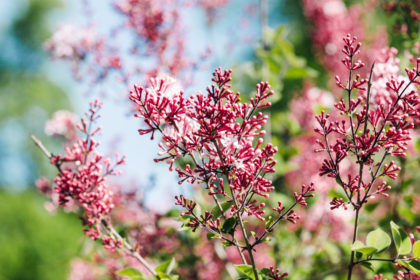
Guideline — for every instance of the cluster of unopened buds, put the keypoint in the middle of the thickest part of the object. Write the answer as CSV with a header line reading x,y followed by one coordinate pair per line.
x,y
276,274
148,18
220,137
372,127
82,179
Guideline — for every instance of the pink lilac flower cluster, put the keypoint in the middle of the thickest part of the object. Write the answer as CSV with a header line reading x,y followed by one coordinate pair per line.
x,y
159,39
156,20
81,270
63,123
211,266
331,19
148,18
276,274
102,265
160,30
369,131
150,234
386,69
405,275
220,136
78,44
149,229
82,178
71,42
211,7
154,235
318,217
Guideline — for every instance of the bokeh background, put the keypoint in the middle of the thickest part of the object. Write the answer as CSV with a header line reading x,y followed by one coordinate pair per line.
x,y
35,244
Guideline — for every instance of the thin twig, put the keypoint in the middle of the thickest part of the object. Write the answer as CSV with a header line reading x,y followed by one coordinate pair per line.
x,y
245,235
271,228
41,146
129,248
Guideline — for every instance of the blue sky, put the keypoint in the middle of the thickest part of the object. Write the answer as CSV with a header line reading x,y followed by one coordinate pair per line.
x,y
118,127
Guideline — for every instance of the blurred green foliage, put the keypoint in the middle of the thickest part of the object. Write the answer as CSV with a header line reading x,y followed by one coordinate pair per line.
x,y
278,63
31,27
401,20
27,96
34,244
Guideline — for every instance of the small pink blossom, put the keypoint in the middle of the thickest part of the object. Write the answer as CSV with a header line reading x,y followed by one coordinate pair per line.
x,y
82,270
43,184
71,42
63,123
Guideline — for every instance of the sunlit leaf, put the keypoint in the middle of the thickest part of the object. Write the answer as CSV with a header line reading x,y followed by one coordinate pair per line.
x,y
166,267
358,246
245,271
378,239
131,272
401,239
416,249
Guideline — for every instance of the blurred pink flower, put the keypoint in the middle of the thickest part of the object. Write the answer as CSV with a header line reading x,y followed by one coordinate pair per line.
x,y
82,270
63,123
71,42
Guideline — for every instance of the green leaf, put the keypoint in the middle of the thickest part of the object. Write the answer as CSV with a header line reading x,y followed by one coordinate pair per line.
x,y
197,210
413,265
227,244
418,145
269,222
298,73
166,267
211,235
401,239
164,276
371,206
396,235
245,271
368,265
378,239
265,271
184,218
225,206
367,250
173,213
266,239
358,246
131,272
228,224
416,249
